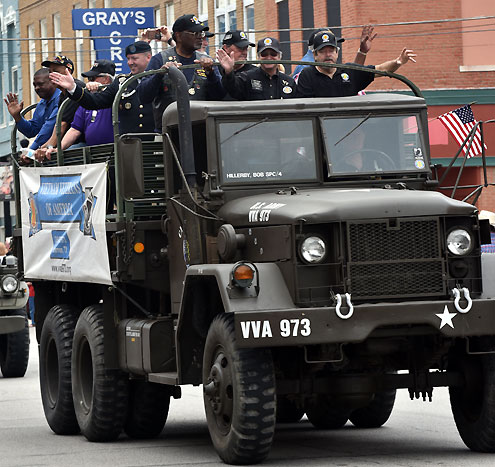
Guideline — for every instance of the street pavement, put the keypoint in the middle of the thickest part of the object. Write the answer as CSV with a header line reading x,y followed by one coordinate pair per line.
x,y
417,434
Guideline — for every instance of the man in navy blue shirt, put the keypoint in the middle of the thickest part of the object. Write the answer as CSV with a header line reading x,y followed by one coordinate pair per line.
x,y
205,82
45,114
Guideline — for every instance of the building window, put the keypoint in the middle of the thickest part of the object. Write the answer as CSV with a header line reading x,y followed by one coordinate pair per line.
x,y
249,26
32,61
15,79
169,14
107,4
92,4
225,15
79,46
157,46
44,42
202,9
57,32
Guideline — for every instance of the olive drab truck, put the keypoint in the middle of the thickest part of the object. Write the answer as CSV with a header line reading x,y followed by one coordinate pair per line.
x,y
14,330
290,256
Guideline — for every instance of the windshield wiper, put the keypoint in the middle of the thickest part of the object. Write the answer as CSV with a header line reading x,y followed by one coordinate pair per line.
x,y
247,127
354,129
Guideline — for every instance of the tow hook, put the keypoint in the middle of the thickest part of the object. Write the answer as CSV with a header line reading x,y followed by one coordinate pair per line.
x,y
339,304
457,298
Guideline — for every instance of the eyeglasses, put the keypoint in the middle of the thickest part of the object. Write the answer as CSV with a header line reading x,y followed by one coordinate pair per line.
x,y
269,53
198,34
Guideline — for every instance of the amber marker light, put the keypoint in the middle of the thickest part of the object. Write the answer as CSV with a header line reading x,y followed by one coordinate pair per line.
x,y
242,275
138,247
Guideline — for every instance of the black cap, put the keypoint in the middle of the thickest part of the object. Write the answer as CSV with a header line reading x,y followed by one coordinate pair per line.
x,y
60,60
100,67
237,38
189,23
313,34
138,47
268,43
324,38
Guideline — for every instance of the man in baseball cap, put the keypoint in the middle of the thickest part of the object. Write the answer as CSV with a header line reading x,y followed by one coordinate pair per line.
x,y
204,82
367,36
237,42
263,82
328,81
59,63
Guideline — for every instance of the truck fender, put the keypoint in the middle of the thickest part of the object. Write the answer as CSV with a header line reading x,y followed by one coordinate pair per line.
x,y
206,293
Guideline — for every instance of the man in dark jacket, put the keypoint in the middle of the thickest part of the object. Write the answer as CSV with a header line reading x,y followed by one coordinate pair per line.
x,y
204,82
134,117
263,82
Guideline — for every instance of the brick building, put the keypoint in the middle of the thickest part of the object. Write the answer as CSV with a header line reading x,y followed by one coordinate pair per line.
x,y
455,66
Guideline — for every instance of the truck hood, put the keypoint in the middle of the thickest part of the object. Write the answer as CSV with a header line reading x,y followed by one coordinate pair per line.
x,y
331,204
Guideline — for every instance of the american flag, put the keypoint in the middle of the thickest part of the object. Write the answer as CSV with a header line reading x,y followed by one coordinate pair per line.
x,y
460,122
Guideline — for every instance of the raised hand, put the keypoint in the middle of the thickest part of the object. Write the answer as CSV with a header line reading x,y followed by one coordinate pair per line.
x,y
405,56
226,60
367,37
13,105
63,81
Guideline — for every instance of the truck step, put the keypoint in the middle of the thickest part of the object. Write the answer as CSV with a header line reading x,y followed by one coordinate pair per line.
x,y
164,378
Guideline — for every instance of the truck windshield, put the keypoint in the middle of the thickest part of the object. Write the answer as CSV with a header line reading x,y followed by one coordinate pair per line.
x,y
253,151
371,144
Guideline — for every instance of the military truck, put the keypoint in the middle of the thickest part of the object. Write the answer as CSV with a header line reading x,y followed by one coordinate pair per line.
x,y
14,330
290,256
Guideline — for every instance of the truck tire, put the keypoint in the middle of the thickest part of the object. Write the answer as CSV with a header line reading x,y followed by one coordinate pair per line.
x,y
14,349
376,413
288,410
324,414
148,409
239,395
99,393
473,404
55,369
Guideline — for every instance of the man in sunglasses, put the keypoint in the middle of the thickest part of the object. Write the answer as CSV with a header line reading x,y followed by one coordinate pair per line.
x,y
328,81
204,81
263,82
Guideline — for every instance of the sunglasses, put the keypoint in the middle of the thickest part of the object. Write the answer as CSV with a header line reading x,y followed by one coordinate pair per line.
x,y
269,53
198,34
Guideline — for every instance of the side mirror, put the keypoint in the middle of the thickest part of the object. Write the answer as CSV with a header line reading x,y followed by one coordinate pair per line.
x,y
130,163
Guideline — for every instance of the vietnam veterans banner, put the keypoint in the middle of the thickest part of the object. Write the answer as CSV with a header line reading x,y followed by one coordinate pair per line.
x,y
63,223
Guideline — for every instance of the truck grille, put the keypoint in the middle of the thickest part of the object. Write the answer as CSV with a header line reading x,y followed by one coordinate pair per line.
x,y
395,258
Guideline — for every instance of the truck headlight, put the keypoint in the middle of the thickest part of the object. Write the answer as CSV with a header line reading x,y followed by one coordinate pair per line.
x,y
313,249
9,284
459,242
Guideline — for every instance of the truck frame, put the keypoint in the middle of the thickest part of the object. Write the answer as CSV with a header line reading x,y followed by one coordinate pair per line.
x,y
252,255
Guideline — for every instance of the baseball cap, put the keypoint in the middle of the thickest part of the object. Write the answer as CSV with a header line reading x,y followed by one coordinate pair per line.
x,y
100,67
189,23
137,47
313,34
60,60
324,38
237,38
268,43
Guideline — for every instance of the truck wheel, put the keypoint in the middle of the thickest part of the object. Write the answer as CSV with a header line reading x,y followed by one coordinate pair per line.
x,y
239,395
324,414
148,409
99,393
473,404
14,349
288,410
55,369
376,413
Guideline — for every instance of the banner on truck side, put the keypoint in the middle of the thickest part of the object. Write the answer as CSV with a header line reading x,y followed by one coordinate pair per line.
x,y
63,223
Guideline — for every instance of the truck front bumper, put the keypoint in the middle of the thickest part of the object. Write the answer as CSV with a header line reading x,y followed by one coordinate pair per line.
x,y
309,326
9,324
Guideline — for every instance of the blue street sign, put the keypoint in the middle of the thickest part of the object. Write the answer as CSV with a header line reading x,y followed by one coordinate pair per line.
x,y
113,22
